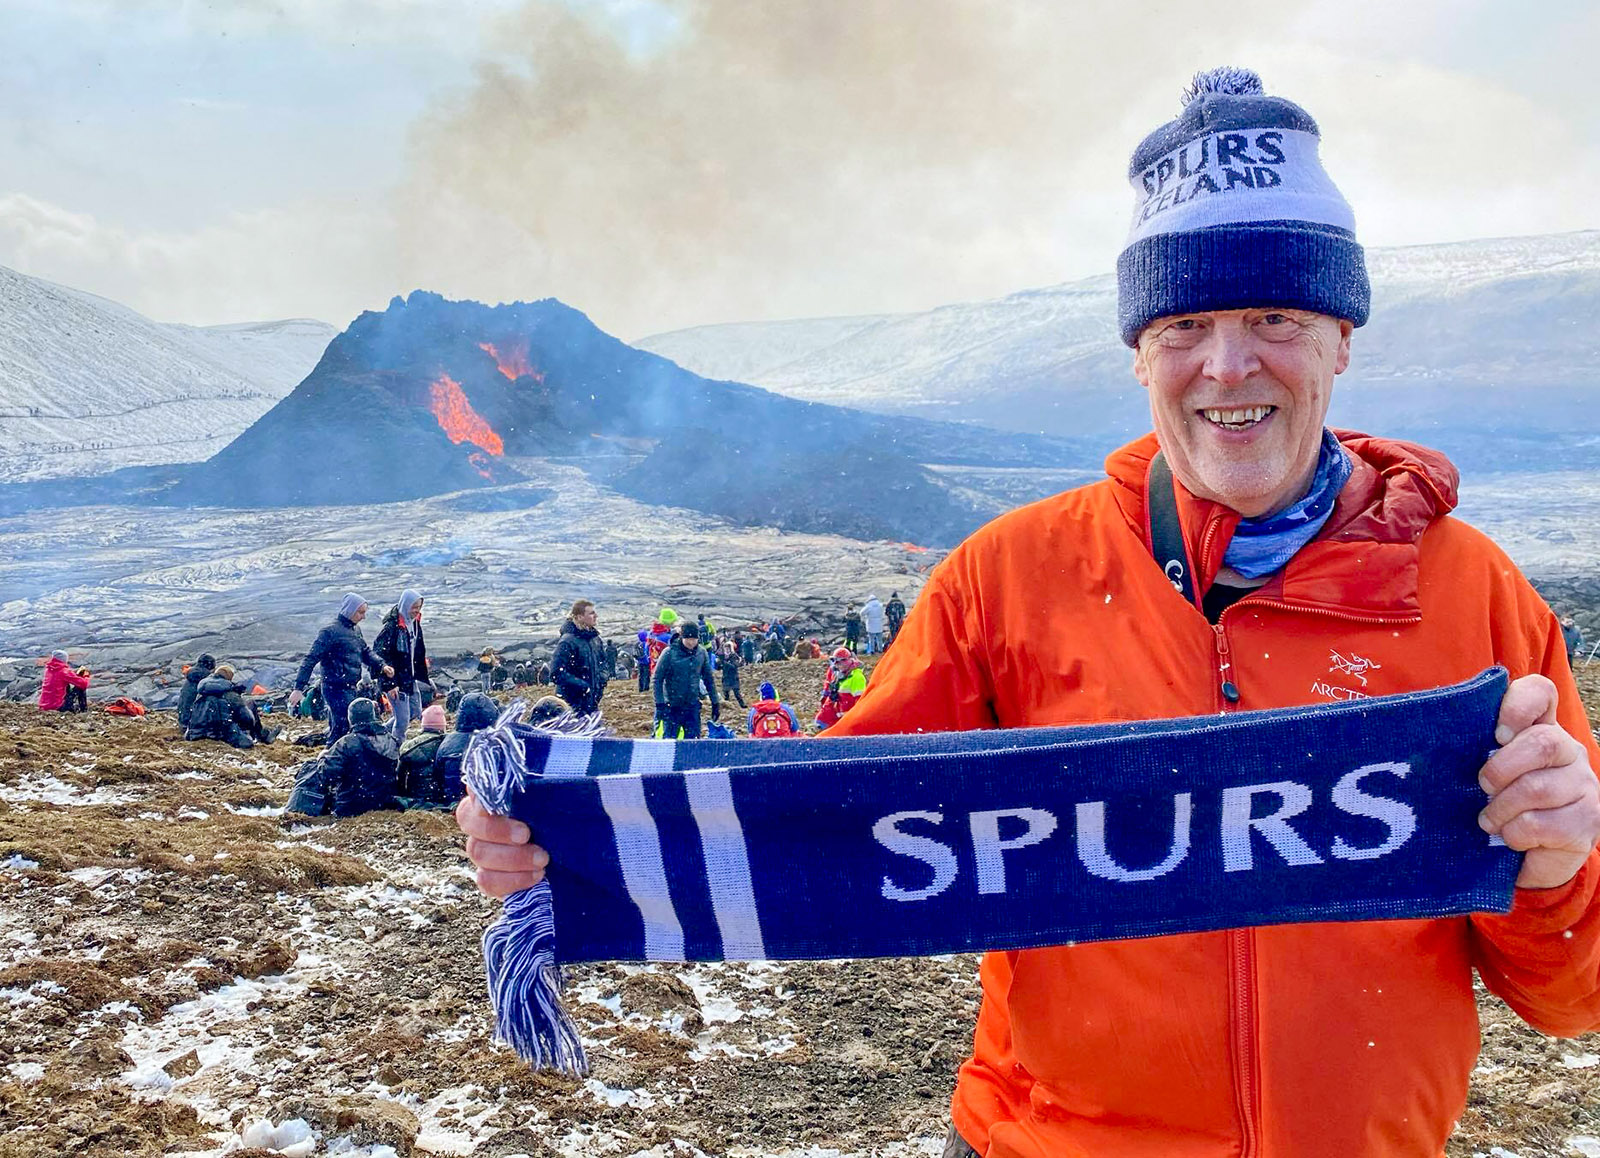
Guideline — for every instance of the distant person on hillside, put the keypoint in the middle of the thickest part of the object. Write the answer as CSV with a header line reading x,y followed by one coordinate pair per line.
x,y
341,649
221,712
771,719
609,650
579,665
681,672
63,689
401,648
416,779
731,663
872,618
488,661
853,627
198,670
747,646
358,771
1573,635
478,711
773,649
895,611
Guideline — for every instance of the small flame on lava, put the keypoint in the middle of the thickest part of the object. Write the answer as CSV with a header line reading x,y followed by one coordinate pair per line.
x,y
461,422
513,363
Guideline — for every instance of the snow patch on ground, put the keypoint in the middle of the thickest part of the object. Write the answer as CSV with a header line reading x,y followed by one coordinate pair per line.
x,y
42,788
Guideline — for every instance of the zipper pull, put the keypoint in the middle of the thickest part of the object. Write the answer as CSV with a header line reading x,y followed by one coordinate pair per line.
x,y
1230,690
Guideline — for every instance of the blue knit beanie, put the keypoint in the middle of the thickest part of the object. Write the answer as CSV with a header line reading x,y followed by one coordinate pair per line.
x,y
1233,210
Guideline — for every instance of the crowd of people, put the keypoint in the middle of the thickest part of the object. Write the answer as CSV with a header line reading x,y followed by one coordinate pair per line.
x,y
388,743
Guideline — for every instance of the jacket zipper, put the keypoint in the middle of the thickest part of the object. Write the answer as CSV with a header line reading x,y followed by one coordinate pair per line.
x,y
1242,1011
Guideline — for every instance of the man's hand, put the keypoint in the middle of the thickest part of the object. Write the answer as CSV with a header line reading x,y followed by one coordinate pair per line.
x,y
499,846
294,700
1544,798
388,671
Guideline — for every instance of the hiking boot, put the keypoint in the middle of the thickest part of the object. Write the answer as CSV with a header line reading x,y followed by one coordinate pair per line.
x,y
270,734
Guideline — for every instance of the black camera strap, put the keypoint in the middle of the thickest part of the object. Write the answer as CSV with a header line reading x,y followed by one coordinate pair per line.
x,y
1166,532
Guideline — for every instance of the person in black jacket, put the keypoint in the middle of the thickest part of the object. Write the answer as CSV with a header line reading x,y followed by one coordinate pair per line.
x,y
895,609
341,649
478,711
579,664
731,663
358,771
220,712
199,670
680,673
416,779
400,646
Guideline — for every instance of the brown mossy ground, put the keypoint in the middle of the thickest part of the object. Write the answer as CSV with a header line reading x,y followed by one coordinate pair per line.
x,y
120,950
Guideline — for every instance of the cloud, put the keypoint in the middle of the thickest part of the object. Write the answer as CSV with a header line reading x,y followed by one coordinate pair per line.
x,y
313,259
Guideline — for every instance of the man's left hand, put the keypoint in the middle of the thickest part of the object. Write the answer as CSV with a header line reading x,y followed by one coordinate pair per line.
x,y
1544,798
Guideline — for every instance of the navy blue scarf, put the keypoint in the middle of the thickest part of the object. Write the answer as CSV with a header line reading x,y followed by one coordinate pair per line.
x,y
1262,546
957,842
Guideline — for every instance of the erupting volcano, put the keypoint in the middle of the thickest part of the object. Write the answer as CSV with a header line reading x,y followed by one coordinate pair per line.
x,y
461,422
514,364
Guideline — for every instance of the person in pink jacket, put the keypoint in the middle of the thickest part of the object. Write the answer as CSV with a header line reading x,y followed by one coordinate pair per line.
x,y
63,690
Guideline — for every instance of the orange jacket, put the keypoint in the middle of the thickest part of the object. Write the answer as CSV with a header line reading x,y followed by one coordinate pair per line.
x,y
1299,1040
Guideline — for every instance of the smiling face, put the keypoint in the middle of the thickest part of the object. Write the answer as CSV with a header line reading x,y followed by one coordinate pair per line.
x,y
1239,398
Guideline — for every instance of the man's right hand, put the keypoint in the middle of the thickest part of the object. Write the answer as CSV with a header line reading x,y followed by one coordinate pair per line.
x,y
499,846
294,700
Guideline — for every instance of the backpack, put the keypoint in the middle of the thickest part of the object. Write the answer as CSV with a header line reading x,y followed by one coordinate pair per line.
x,y
124,706
309,797
771,720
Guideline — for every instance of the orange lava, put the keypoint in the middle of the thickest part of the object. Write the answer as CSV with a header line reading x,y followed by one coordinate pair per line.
x,y
459,420
514,363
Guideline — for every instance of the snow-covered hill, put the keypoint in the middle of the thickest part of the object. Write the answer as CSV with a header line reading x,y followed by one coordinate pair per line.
x,y
87,385
1497,318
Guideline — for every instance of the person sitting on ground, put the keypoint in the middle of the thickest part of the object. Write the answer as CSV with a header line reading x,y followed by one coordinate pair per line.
x,y
773,649
771,719
847,680
416,779
453,698
358,771
680,673
199,670
63,689
477,712
222,713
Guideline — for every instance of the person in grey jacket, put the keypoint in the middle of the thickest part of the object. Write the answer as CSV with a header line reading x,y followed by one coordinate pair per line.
x,y
341,649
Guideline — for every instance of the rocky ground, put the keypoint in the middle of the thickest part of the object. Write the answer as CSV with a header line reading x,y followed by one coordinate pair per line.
x,y
180,961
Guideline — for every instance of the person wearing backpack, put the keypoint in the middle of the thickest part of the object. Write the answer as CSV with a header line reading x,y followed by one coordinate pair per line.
x,y
771,719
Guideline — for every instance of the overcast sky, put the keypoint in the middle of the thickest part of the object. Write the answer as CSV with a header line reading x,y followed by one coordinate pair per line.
x,y
666,163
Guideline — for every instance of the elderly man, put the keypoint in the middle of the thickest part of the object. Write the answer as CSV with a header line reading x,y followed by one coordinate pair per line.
x,y
341,649
1242,556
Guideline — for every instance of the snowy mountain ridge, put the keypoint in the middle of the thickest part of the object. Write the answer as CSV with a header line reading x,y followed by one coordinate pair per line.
x,y
1504,312
88,385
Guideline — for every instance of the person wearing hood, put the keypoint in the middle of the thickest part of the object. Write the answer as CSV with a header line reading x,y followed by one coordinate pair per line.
x,y
872,620
401,648
579,664
358,771
341,649
416,778
221,712
63,690
846,683
683,669
198,670
477,712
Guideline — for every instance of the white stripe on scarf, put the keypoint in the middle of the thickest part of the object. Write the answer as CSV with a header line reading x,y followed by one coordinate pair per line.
x,y
644,870
727,858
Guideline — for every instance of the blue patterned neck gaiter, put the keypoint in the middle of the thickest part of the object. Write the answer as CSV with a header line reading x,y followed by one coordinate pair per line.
x,y
1262,546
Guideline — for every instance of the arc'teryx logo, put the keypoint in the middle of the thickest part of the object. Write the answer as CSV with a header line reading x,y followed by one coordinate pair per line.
x,y
1356,665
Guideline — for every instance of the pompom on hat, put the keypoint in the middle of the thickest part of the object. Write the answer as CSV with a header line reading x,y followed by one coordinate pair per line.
x,y
1233,210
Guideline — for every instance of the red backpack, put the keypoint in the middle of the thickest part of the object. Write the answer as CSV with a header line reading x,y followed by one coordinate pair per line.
x,y
771,720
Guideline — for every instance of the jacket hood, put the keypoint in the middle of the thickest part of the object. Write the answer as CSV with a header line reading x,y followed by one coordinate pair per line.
x,y
392,616
201,668
1395,492
571,628
215,685
477,711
